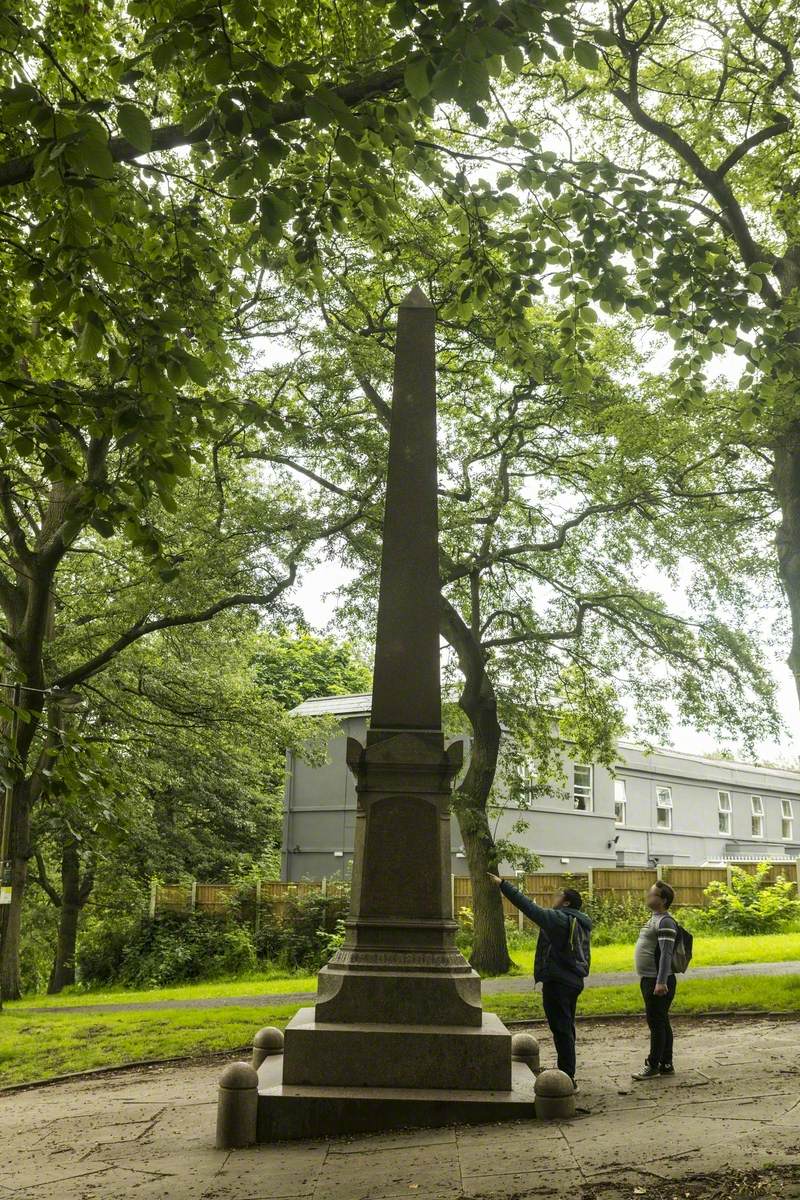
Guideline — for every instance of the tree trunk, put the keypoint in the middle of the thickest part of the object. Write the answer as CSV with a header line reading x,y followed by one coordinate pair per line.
x,y
73,898
11,914
489,947
786,483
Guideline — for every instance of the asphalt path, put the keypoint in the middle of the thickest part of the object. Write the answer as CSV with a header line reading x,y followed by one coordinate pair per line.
x,y
502,985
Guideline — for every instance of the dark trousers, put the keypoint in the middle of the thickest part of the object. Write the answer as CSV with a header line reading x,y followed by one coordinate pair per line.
x,y
560,1002
657,1011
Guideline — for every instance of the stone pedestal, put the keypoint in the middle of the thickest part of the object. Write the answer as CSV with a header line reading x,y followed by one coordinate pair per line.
x,y
398,1036
289,1112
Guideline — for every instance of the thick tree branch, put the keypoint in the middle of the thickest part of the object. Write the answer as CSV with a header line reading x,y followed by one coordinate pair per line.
x,y
43,880
750,143
143,628
169,137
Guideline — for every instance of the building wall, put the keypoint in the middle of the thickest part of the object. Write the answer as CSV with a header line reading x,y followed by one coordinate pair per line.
x,y
320,803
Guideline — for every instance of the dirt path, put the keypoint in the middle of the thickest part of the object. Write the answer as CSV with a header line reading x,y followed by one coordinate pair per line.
x,y
503,985
733,1108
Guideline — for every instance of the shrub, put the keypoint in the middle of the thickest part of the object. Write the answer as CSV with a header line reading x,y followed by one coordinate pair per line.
x,y
615,919
173,948
749,904
311,929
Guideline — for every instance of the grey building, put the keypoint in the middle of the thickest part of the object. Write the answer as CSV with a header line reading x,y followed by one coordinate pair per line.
x,y
658,807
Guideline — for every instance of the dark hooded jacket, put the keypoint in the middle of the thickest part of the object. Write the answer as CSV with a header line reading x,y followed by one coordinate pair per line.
x,y
553,963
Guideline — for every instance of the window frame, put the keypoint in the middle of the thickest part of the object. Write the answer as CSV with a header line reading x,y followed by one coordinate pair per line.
x,y
725,815
787,820
586,790
757,815
664,807
620,804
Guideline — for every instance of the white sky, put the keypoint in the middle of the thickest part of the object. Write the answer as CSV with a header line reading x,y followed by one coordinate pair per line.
x,y
316,595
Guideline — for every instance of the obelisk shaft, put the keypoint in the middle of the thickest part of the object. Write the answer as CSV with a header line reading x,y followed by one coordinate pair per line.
x,y
406,689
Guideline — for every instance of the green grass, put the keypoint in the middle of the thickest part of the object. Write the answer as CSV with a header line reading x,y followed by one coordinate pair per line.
x,y
40,1045
777,993
708,952
249,986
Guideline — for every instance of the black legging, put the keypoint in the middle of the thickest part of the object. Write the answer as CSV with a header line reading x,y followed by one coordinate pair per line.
x,y
559,1002
657,1011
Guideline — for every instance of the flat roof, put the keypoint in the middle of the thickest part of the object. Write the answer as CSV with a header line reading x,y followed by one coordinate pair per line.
x,y
359,704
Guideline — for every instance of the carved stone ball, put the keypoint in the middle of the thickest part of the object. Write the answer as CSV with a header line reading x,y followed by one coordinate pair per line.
x,y
269,1040
238,1076
553,1083
526,1047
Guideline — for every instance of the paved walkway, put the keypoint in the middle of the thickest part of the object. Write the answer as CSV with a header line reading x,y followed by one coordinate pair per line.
x,y
504,984
725,1126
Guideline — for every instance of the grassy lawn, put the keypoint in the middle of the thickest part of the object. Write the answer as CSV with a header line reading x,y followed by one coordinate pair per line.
x,y
40,1045
36,1046
778,993
708,952
249,986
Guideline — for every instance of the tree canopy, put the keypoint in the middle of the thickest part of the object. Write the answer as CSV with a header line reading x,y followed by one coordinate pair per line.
x,y
209,214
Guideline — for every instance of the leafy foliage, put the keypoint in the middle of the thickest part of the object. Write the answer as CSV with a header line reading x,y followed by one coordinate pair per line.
x,y
749,904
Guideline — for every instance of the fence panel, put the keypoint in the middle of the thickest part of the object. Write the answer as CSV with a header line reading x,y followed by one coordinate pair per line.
x,y
173,897
215,898
607,883
690,883
610,883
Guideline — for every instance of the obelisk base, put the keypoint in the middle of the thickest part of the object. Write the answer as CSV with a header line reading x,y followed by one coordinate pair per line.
x,y
317,1053
288,1112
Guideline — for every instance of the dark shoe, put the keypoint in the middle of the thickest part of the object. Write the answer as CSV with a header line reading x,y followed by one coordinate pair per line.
x,y
647,1073
666,1069
574,1084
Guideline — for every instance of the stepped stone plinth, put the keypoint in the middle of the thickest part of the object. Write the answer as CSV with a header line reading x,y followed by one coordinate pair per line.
x,y
398,1036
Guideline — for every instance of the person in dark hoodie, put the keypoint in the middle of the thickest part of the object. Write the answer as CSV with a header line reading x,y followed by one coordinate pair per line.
x,y
563,955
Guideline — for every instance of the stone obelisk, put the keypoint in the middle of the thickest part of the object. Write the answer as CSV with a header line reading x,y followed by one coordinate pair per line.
x,y
398,1020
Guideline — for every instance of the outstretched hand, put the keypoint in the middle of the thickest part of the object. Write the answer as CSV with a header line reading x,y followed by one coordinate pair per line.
x,y
494,878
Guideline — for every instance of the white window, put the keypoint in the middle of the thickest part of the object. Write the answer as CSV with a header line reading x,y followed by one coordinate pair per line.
x,y
664,808
582,787
620,801
724,802
757,816
787,820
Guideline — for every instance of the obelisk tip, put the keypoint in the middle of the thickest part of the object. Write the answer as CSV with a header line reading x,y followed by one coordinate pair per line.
x,y
416,298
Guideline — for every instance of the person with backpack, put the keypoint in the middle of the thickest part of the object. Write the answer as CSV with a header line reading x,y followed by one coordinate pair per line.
x,y
662,949
561,963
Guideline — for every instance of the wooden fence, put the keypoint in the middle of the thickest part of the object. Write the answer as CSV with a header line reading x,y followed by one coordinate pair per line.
x,y
606,883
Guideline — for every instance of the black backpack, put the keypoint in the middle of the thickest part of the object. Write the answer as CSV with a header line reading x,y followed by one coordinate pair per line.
x,y
576,953
682,953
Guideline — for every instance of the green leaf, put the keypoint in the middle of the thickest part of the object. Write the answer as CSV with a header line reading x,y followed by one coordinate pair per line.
x,y
218,69
561,30
587,55
105,264
100,204
474,81
515,60
91,341
347,150
94,156
416,78
242,210
135,126
244,12
197,371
